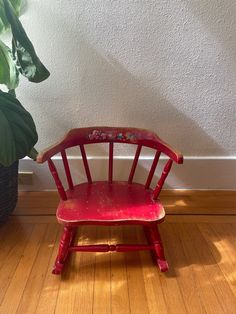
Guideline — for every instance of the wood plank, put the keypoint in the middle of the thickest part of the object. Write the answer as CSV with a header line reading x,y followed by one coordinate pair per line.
x,y
86,269
210,193
33,219
45,199
119,286
35,211
9,239
37,203
3,230
227,231
155,298
217,278
172,294
200,218
77,282
136,285
20,277
51,285
69,278
222,248
184,275
194,200
192,245
11,250
32,291
201,210
102,277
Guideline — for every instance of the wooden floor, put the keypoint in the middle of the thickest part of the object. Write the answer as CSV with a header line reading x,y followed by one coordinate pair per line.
x,y
202,276
201,251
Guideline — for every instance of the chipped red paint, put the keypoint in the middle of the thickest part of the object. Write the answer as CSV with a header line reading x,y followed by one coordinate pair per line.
x,y
104,202
111,202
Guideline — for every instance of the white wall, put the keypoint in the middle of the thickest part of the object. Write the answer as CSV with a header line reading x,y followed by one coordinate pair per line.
x,y
164,65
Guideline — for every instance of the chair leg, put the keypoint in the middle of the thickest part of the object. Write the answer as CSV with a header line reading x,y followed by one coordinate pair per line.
x,y
149,241
67,239
155,239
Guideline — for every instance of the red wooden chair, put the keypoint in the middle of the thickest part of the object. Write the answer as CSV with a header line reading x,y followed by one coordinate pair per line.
x,y
110,202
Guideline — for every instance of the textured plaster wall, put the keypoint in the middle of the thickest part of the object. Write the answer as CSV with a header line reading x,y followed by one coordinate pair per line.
x,y
165,65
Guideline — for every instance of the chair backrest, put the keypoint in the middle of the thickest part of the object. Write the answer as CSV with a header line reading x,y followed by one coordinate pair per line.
x,y
83,136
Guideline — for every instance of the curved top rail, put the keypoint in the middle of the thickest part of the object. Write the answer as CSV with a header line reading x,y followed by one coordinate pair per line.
x,y
102,134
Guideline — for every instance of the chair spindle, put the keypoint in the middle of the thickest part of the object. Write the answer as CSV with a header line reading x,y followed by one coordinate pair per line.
x,y
161,181
110,171
152,170
67,170
86,166
134,163
57,180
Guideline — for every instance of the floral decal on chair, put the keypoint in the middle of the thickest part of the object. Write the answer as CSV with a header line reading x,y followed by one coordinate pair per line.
x,y
97,135
112,135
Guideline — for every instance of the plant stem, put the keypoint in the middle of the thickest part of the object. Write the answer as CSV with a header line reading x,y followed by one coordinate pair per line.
x,y
12,92
33,154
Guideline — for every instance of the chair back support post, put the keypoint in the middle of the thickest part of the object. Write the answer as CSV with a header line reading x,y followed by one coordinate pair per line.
x,y
67,169
57,180
86,166
134,165
152,170
110,170
162,179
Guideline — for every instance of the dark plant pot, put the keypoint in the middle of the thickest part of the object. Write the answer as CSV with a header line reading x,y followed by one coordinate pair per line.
x,y
8,190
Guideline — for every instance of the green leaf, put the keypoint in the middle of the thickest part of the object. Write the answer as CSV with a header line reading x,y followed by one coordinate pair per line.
x,y
9,75
18,134
27,60
4,24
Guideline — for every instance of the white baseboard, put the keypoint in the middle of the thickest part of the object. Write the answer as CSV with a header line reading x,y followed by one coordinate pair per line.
x,y
196,172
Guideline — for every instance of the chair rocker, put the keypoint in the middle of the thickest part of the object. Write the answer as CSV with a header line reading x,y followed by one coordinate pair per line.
x,y
110,202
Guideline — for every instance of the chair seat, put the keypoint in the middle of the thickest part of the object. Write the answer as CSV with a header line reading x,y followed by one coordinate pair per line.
x,y
105,202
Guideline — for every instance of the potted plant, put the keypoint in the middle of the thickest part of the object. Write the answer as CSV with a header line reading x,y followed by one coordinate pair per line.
x,y
18,134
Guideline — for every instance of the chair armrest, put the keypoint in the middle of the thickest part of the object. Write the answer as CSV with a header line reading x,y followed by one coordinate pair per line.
x,y
169,151
46,154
